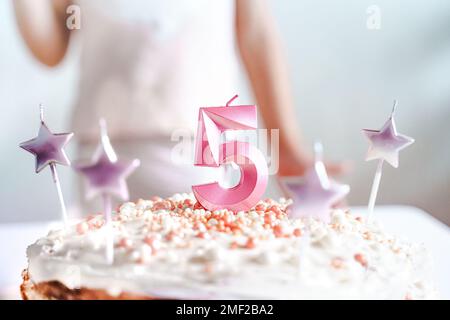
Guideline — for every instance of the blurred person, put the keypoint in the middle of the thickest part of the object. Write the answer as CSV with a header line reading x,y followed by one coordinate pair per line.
x,y
147,66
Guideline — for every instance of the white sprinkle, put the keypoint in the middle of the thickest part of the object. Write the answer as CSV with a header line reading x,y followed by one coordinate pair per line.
x,y
127,209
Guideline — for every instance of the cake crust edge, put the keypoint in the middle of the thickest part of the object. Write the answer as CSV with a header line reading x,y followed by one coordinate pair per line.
x,y
55,290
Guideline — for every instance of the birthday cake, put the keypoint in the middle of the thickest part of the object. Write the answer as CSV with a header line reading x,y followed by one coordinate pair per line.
x,y
175,249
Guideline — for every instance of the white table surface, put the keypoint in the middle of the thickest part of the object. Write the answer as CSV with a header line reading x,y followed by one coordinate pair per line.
x,y
406,222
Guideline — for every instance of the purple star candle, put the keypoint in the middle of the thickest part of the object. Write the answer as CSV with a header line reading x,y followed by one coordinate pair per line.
x,y
105,176
384,145
316,194
48,149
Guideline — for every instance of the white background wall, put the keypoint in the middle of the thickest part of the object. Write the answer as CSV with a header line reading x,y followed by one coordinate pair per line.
x,y
345,77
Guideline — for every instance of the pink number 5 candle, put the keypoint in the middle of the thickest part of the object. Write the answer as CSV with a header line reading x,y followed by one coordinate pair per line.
x,y
211,153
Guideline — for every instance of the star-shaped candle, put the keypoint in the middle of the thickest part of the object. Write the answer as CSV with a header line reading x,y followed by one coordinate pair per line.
x,y
385,145
316,194
105,176
48,149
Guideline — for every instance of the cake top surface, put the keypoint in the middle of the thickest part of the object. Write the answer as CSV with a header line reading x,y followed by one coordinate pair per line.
x,y
174,248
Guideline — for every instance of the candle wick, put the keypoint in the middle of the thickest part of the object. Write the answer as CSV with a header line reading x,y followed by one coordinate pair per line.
x,y
318,151
41,112
105,142
231,100
319,166
103,127
394,107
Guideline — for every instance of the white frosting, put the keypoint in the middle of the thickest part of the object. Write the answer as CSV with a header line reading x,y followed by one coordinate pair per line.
x,y
166,253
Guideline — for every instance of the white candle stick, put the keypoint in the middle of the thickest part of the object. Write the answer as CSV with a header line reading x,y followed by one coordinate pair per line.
x,y
55,177
60,194
109,230
374,190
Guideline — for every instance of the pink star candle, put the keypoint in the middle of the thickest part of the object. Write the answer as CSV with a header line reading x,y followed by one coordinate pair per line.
x,y
385,145
48,149
211,153
316,194
105,176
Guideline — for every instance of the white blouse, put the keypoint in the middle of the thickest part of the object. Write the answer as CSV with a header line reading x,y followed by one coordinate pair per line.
x,y
148,65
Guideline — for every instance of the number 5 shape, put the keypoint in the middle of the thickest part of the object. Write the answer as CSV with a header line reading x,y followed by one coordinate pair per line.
x,y
209,152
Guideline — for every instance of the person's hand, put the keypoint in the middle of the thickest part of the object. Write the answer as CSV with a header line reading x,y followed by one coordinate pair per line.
x,y
290,165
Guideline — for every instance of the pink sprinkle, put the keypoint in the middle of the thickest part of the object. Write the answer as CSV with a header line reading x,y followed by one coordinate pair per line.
x,y
250,243
202,235
269,218
197,205
153,242
361,259
297,232
161,205
171,236
337,263
125,243
82,227
278,231
234,245
275,209
260,207
149,240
